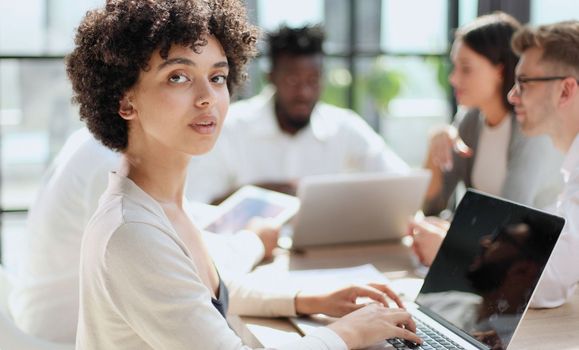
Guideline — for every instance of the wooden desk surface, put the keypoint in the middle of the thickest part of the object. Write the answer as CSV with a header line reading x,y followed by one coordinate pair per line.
x,y
559,327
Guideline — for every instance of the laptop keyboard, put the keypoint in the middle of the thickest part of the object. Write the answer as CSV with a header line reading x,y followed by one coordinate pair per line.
x,y
432,339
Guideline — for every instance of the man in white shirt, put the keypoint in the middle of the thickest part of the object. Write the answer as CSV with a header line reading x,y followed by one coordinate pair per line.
x,y
285,133
546,100
45,301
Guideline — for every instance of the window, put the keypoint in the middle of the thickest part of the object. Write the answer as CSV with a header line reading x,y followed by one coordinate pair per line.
x,y
368,42
543,11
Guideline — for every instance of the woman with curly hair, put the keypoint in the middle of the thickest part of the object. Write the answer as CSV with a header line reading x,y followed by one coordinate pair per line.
x,y
153,81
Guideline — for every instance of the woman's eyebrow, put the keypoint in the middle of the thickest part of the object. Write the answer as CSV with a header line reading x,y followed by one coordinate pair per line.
x,y
221,64
188,62
176,60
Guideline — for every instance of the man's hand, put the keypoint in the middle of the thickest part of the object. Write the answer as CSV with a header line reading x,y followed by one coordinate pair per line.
x,y
267,232
428,234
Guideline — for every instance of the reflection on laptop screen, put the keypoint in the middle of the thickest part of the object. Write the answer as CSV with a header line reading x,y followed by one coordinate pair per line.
x,y
488,267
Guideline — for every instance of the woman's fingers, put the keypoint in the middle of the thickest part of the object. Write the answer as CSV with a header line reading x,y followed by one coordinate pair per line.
x,y
408,335
372,293
389,292
444,144
462,149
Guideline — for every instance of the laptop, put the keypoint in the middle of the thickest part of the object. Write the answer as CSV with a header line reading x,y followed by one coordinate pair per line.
x,y
362,207
479,286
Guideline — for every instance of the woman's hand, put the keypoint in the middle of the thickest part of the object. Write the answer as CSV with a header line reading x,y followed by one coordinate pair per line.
x,y
443,143
343,301
428,234
374,323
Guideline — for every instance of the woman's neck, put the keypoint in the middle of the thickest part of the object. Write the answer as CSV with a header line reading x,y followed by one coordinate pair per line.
x,y
494,113
161,176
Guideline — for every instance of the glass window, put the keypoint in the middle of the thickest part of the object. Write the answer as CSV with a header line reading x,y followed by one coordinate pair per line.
x,y
36,27
272,13
549,11
403,98
404,29
337,82
36,118
467,11
22,27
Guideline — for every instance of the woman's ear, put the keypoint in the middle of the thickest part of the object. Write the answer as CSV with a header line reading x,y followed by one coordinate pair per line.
x,y
126,110
501,71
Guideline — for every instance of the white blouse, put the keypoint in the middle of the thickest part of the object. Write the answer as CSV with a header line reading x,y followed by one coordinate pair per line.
x,y
140,288
490,165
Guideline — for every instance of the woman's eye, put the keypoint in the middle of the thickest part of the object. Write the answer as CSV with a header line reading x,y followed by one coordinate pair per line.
x,y
178,78
220,79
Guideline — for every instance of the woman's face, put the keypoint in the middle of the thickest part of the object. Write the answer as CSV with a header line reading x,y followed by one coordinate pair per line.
x,y
180,102
476,81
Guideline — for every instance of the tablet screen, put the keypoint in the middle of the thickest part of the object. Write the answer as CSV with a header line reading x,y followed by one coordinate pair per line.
x,y
250,202
237,217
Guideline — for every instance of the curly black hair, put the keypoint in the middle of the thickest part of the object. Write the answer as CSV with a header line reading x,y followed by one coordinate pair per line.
x,y
306,40
113,44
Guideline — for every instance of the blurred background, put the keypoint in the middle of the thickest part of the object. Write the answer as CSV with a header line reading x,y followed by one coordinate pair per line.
x,y
386,59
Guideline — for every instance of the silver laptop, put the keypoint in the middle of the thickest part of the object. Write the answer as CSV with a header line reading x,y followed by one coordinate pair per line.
x,y
484,275
348,208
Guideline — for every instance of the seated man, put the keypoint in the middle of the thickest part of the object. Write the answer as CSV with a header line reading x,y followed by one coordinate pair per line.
x,y
546,100
45,301
274,139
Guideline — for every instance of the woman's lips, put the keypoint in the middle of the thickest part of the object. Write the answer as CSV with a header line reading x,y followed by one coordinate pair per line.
x,y
204,126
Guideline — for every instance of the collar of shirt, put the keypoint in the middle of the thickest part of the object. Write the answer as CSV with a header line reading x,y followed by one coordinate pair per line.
x,y
571,162
268,126
122,185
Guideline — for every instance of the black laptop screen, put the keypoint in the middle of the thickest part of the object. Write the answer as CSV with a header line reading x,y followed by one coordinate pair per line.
x,y
488,266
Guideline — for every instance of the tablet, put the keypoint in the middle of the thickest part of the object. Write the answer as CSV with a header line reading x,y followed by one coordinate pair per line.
x,y
237,210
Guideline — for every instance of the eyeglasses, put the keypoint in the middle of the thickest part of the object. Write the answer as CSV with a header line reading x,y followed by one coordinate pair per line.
x,y
520,81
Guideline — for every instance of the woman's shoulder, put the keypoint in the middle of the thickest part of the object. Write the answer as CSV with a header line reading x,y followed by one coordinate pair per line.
x,y
468,122
122,220
467,117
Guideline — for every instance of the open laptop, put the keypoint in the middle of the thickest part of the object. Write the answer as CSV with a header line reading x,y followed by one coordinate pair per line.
x,y
348,208
479,286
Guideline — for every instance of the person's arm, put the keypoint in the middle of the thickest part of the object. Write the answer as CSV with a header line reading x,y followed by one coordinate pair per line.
x,y
155,289
369,150
560,277
428,234
360,325
447,159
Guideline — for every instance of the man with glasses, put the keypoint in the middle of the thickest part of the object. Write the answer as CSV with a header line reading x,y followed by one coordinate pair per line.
x,y
546,100
274,139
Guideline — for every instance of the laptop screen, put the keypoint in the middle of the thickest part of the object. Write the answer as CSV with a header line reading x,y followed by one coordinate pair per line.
x,y
488,267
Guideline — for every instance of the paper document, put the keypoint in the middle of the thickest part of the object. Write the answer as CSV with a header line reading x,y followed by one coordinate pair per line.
x,y
331,279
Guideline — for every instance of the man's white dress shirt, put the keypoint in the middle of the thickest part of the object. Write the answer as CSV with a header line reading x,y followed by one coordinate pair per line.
x,y
561,274
253,149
